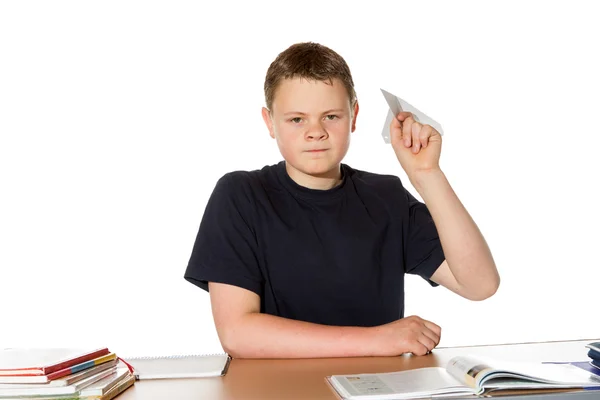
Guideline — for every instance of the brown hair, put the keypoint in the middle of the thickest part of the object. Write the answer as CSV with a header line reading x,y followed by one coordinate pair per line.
x,y
311,61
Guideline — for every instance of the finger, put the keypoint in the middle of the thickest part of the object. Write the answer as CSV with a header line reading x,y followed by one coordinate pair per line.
x,y
407,131
435,338
432,335
402,115
433,327
416,134
395,129
425,134
418,348
427,342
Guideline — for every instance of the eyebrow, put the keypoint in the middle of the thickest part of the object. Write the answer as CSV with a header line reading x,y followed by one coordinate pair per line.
x,y
338,110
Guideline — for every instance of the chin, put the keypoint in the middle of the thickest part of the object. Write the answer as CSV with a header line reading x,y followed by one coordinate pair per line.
x,y
318,168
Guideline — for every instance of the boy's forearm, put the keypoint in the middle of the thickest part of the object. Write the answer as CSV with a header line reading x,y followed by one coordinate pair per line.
x,y
258,335
465,248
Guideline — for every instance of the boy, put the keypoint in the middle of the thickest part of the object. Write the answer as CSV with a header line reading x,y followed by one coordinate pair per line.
x,y
306,258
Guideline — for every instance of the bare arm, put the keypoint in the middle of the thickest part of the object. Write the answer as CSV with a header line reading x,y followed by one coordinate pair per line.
x,y
246,333
469,269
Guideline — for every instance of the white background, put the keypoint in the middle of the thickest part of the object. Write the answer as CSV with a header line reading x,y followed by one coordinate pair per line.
x,y
118,117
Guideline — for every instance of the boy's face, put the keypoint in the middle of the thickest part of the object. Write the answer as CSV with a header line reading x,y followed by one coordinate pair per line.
x,y
311,121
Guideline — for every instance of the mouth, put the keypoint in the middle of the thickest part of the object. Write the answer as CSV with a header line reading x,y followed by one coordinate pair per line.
x,y
316,151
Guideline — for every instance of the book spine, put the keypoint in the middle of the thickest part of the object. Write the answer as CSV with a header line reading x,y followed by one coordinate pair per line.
x,y
94,362
120,388
82,366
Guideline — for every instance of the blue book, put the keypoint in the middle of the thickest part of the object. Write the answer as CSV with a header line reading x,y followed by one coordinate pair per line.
x,y
593,346
594,355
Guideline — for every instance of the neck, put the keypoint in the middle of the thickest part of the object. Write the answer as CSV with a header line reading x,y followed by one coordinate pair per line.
x,y
324,181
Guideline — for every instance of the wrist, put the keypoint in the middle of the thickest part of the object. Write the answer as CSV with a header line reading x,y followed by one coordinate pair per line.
x,y
422,180
357,341
375,343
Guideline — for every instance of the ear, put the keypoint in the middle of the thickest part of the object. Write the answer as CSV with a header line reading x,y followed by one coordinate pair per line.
x,y
354,116
267,118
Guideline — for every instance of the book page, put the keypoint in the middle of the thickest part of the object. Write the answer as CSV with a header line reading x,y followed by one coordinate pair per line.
x,y
532,375
498,374
421,382
468,370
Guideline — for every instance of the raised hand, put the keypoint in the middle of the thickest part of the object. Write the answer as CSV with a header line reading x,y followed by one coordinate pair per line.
x,y
417,146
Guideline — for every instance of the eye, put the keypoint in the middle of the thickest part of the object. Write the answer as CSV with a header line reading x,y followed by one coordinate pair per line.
x,y
296,120
331,117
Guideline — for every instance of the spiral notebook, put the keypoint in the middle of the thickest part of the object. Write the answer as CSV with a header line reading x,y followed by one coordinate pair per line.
x,y
179,366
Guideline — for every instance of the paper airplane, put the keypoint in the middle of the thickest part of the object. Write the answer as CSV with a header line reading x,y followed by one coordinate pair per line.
x,y
397,105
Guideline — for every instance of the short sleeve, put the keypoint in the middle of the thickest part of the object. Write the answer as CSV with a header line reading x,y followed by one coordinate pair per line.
x,y
225,250
424,253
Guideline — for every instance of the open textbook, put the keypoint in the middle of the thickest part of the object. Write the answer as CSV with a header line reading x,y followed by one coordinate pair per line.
x,y
463,375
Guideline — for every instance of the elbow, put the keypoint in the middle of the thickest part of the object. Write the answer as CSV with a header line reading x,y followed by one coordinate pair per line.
x,y
232,351
230,344
240,351
486,291
234,342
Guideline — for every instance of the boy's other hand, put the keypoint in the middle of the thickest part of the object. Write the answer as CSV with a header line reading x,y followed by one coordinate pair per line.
x,y
417,146
407,335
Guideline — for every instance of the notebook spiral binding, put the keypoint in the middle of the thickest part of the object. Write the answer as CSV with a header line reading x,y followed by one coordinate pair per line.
x,y
176,356
169,366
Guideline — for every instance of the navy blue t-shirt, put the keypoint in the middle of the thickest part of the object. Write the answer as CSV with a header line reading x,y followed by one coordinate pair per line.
x,y
334,257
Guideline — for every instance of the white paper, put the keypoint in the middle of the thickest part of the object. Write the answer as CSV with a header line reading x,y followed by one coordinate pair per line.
x,y
418,383
179,366
396,105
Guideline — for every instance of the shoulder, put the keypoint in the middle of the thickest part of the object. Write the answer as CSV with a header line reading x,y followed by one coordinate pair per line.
x,y
248,178
246,184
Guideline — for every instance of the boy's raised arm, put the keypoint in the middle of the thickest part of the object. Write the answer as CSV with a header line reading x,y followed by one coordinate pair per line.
x,y
469,269
244,332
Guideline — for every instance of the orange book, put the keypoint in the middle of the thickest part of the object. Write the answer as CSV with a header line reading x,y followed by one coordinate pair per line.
x,y
63,376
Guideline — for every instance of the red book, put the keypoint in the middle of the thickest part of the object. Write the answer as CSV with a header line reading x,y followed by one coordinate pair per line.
x,y
27,362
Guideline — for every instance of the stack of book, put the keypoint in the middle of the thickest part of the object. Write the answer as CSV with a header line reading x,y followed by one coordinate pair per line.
x,y
61,374
594,353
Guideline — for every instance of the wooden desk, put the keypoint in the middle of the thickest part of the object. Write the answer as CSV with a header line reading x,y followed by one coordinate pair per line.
x,y
305,378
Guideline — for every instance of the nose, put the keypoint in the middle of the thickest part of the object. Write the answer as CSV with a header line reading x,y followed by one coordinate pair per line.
x,y
316,131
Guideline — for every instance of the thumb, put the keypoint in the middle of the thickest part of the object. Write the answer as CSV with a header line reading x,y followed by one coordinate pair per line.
x,y
395,130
